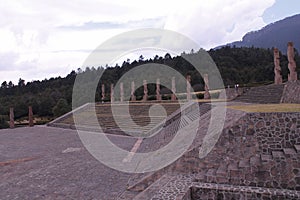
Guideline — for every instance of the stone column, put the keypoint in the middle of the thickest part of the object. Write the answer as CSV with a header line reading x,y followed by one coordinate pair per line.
x,y
11,118
145,97
30,116
277,68
103,92
121,92
292,63
133,98
158,96
206,87
173,97
112,94
188,88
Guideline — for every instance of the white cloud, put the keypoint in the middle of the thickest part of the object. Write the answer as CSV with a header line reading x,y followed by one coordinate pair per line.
x,y
215,22
37,44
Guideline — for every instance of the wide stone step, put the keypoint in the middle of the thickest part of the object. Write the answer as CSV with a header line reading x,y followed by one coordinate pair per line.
x,y
263,94
297,147
150,191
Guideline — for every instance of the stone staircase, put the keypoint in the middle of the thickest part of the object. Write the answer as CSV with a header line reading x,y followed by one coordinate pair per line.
x,y
132,118
239,162
235,171
234,176
141,186
263,94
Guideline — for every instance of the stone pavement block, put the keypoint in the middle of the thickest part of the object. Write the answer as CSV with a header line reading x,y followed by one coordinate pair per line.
x,y
255,160
277,154
289,151
232,166
244,163
210,172
222,170
236,173
297,147
265,158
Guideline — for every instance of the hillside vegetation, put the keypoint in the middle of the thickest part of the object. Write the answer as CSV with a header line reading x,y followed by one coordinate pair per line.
x,y
53,97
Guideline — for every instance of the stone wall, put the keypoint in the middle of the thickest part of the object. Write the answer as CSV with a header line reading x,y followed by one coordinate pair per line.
x,y
259,151
291,93
240,193
256,157
274,131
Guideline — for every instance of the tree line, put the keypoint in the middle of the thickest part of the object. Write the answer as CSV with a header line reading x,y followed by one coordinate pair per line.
x,y
53,97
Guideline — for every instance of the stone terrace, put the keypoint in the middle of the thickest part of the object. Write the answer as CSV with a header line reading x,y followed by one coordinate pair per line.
x,y
107,115
256,156
51,163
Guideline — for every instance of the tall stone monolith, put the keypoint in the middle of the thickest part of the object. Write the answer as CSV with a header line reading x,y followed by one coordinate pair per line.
x,y
121,92
292,63
11,118
206,87
145,97
103,92
188,88
133,98
277,68
112,93
158,95
173,97
30,116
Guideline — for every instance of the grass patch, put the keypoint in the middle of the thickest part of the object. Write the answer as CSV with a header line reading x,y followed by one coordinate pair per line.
x,y
267,108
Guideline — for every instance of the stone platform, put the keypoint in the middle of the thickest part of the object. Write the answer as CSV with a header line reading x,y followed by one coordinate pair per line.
x,y
51,163
257,156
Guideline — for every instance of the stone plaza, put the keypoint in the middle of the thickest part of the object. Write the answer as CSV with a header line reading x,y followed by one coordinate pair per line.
x,y
255,156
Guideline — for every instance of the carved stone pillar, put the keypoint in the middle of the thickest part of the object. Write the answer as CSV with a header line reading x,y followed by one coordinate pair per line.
x,y
292,63
206,87
103,92
158,96
11,118
112,95
121,92
133,98
30,116
173,97
277,68
145,97
188,88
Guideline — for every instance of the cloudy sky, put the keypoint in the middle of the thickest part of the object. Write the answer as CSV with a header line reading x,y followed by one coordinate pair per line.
x,y
43,39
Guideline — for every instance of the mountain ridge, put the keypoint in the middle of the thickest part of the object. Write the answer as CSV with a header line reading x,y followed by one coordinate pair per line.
x,y
276,34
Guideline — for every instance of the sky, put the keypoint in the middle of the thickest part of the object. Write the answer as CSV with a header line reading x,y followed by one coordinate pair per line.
x,y
44,39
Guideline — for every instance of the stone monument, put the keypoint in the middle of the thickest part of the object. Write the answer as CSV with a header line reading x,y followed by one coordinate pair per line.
x,y
121,92
292,63
103,92
158,96
277,68
133,98
112,95
188,87
30,116
173,97
206,87
145,97
11,118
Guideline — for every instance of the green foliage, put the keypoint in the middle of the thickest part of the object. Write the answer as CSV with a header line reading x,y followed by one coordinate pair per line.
x,y
61,108
3,122
243,66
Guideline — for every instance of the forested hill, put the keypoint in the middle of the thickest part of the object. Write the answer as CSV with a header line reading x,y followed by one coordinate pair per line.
x,y
54,96
277,34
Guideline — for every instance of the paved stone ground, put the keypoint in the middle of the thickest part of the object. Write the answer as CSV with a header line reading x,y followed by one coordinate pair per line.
x,y
51,163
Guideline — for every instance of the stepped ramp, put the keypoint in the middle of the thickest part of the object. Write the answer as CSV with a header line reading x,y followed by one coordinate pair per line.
x,y
269,94
122,119
246,163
